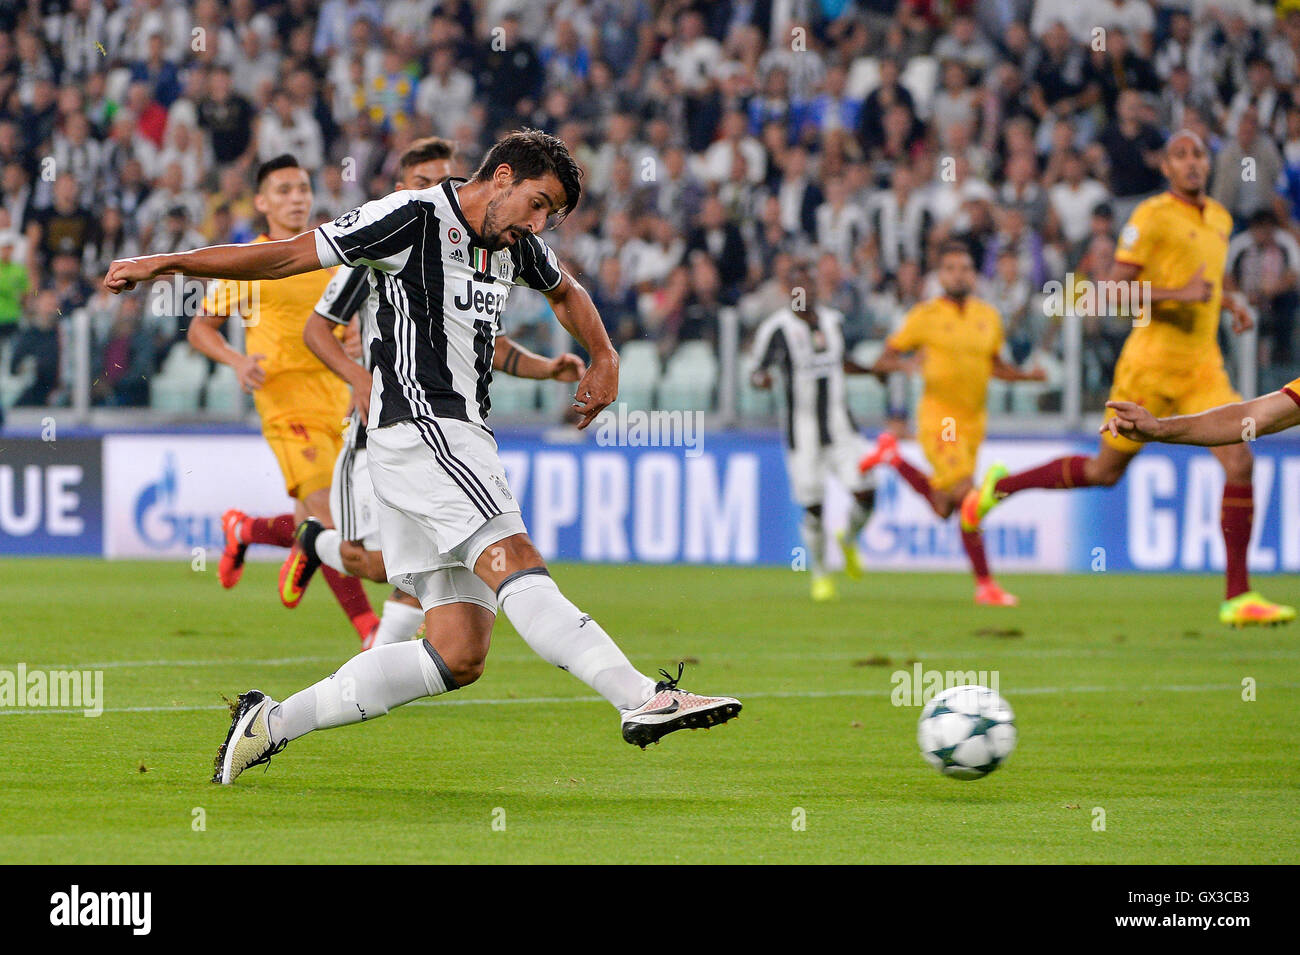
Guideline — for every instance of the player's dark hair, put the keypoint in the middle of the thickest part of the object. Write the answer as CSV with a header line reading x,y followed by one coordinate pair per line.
x,y
283,161
532,154
954,247
429,149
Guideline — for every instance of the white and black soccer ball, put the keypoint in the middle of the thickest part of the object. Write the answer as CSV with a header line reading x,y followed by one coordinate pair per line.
x,y
966,732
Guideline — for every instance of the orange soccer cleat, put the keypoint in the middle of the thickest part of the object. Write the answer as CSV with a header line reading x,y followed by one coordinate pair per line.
x,y
885,452
231,566
989,594
297,570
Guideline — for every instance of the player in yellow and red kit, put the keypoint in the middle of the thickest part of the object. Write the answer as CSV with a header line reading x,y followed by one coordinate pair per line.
x,y
1176,245
960,339
302,404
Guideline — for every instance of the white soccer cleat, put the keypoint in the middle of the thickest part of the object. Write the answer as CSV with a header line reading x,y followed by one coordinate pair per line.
x,y
249,741
671,709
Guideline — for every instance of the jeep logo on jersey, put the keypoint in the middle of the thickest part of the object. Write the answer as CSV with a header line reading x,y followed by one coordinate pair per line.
x,y
348,218
480,300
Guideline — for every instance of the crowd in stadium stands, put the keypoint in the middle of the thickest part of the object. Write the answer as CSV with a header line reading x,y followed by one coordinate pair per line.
x,y
719,140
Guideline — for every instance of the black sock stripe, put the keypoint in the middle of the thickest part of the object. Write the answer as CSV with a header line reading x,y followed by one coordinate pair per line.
x,y
526,572
455,475
448,680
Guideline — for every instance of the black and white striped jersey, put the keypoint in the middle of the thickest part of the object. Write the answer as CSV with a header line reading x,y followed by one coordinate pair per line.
x,y
809,361
348,294
438,296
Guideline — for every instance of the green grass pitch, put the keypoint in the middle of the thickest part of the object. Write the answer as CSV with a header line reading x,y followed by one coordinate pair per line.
x,y
1127,693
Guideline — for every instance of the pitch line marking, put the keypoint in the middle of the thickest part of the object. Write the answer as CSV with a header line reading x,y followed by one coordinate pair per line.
x,y
761,695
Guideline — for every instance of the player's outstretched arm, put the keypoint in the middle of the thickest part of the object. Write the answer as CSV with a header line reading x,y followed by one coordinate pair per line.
x,y
577,313
1226,424
514,359
252,260
1006,371
892,360
318,335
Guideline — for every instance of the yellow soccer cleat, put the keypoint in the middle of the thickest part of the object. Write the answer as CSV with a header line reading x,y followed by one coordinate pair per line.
x,y
823,589
1252,610
852,562
980,500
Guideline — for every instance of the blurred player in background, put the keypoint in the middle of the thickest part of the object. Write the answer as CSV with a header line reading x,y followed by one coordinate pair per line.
x,y
353,545
960,339
300,402
804,346
1176,245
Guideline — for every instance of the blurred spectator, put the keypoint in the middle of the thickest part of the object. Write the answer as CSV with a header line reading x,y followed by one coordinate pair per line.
x,y
38,342
1263,264
228,120
1073,199
13,287
721,241
1246,170
1132,148
127,360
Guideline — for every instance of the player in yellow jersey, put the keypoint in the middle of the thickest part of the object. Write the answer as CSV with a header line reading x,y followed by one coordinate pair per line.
x,y
302,403
1175,245
1227,424
960,339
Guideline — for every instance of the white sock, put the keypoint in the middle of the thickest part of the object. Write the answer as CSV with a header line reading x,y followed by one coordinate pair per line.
x,y
398,623
858,517
328,543
369,685
562,634
814,542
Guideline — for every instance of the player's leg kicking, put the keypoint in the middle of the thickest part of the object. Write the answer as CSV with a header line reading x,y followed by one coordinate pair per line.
x,y
954,464
439,481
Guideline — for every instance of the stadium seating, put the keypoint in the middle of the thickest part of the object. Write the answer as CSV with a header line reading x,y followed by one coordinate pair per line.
x,y
177,387
222,393
688,381
511,395
638,374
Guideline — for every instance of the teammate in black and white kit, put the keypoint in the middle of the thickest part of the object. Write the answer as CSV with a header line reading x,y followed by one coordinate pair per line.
x,y
442,262
803,346
353,545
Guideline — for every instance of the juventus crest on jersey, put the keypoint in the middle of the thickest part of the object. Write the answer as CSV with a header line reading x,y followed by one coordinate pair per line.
x,y
435,300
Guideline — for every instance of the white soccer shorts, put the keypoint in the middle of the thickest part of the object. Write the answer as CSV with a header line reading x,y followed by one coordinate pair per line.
x,y
352,498
442,499
808,467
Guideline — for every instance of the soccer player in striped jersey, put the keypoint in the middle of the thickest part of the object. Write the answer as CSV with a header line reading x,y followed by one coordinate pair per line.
x,y
803,346
301,404
354,546
1176,245
442,263
960,339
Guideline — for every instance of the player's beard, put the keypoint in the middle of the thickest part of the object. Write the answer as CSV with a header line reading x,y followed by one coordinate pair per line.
x,y
493,234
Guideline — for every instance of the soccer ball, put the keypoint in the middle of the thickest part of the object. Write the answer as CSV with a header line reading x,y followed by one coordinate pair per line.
x,y
966,732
